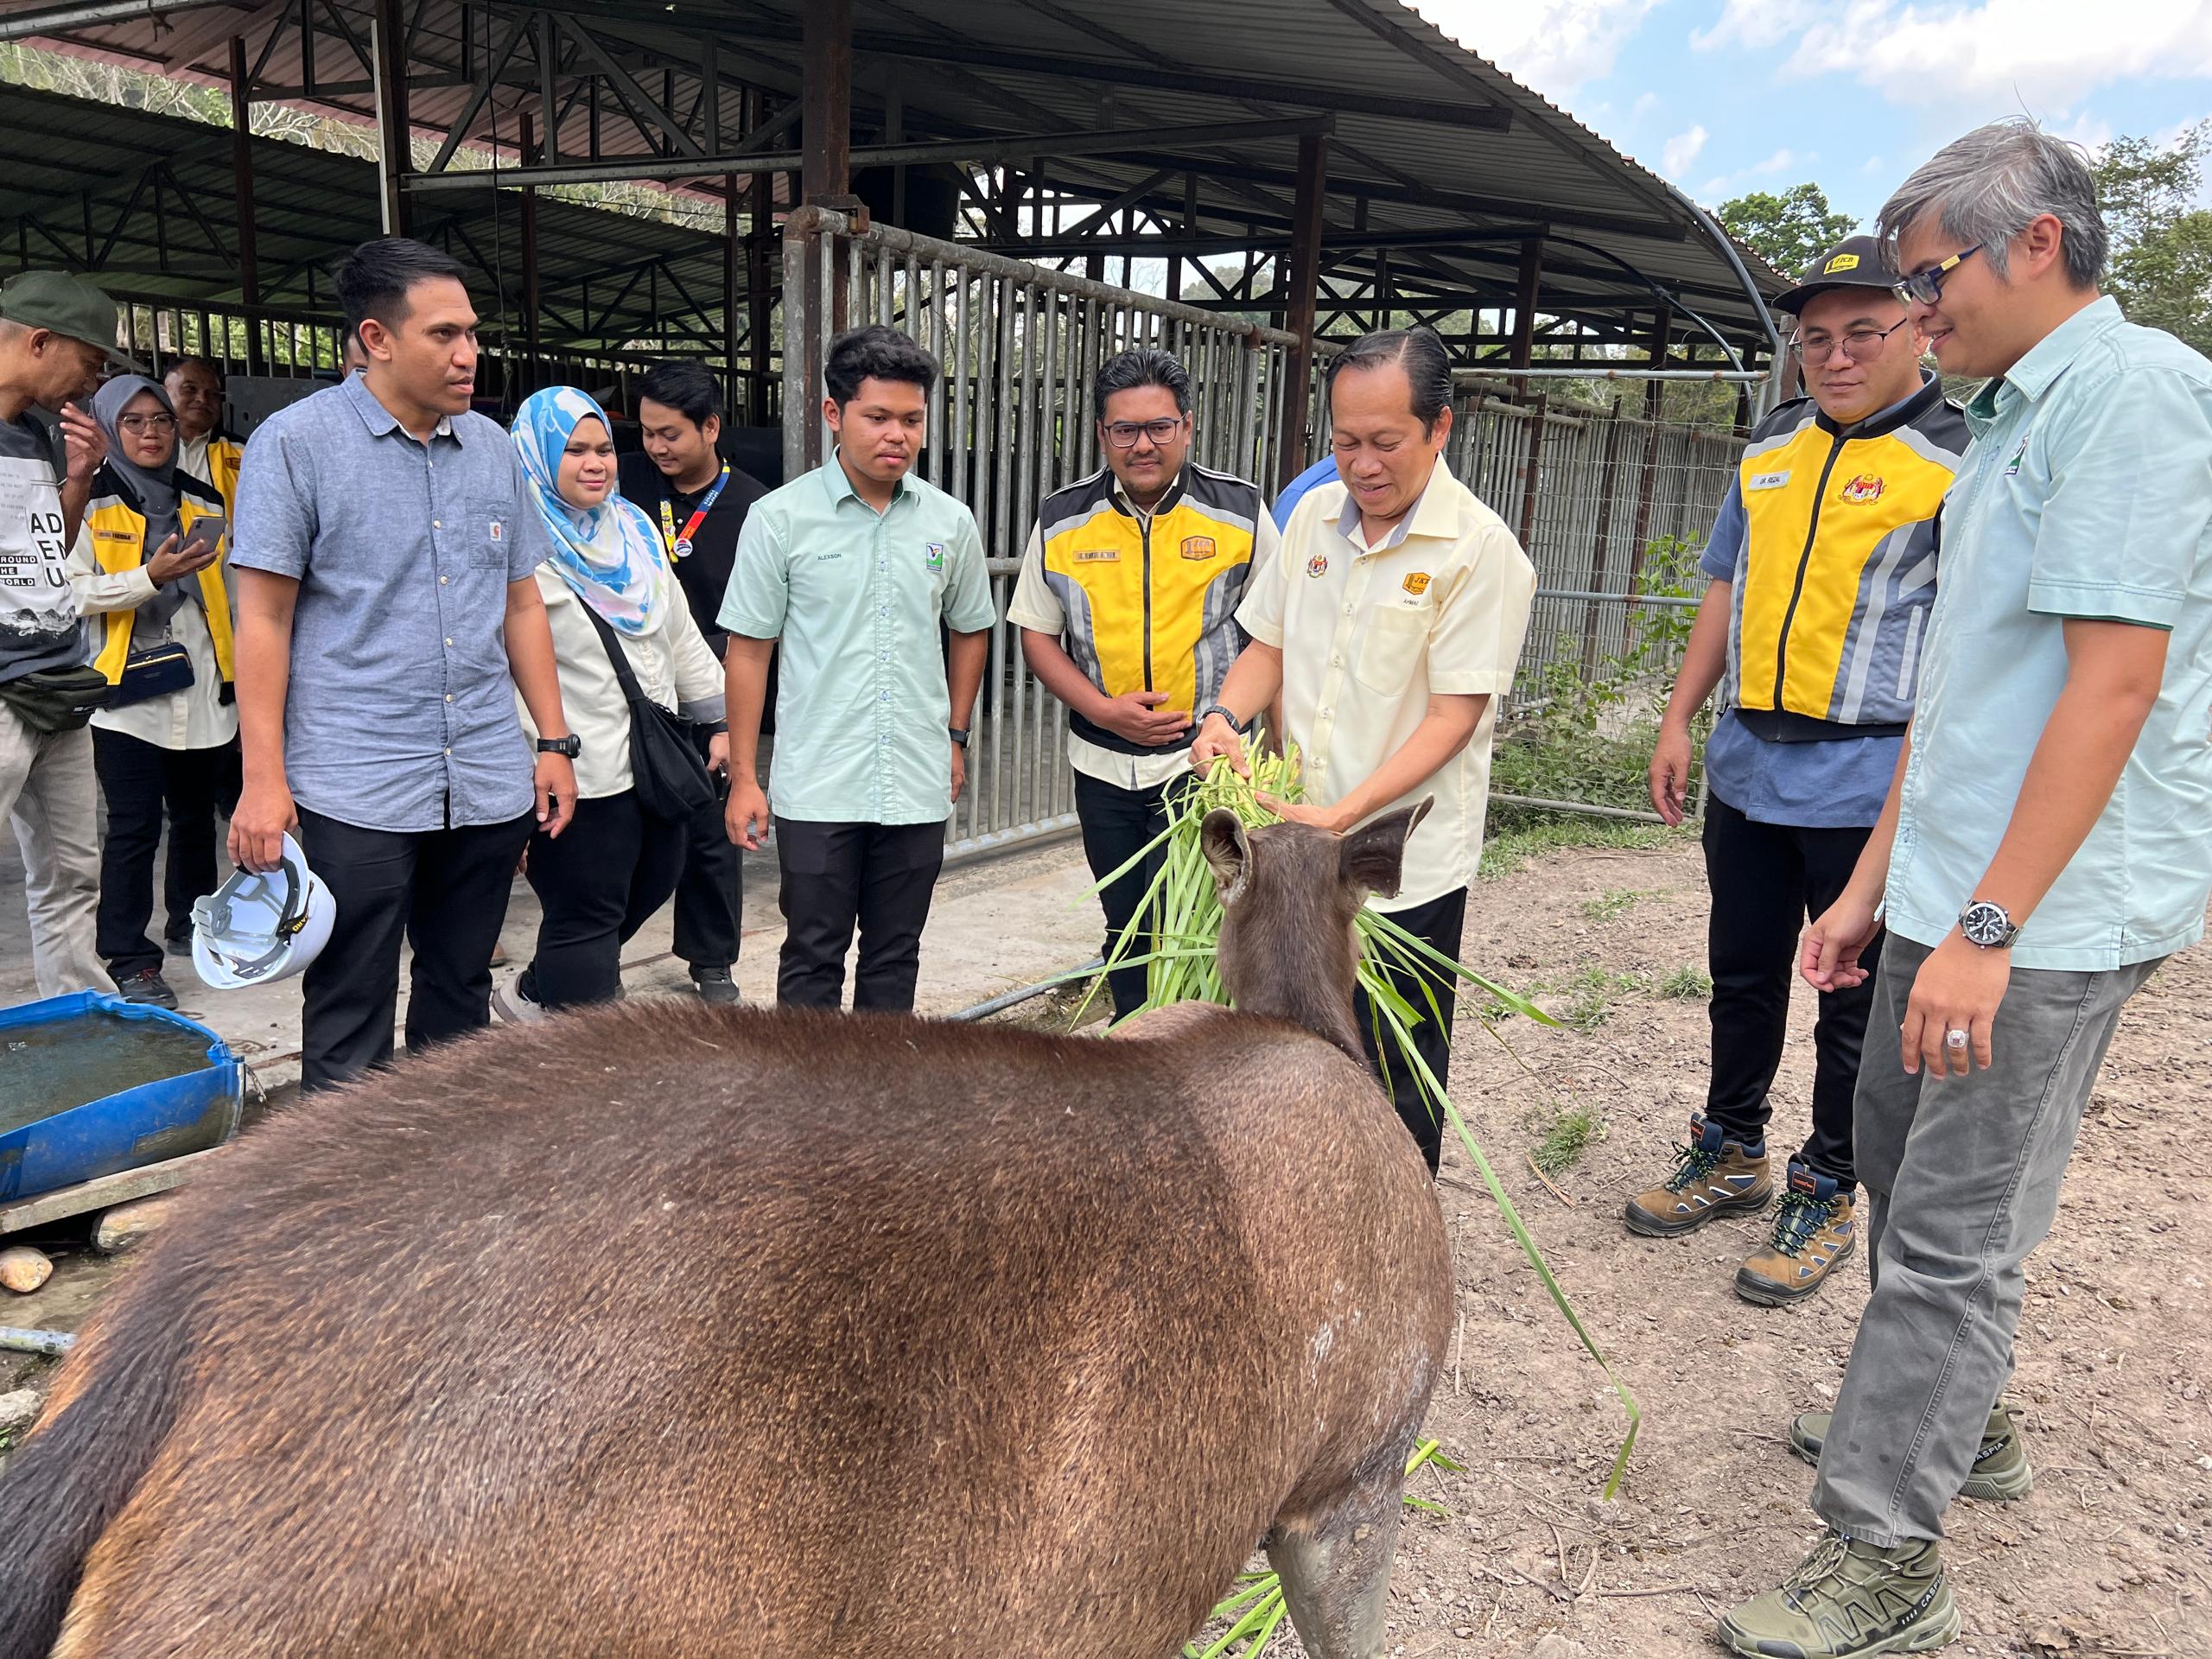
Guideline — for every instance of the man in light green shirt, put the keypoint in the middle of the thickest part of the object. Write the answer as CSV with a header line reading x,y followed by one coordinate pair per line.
x,y
2054,787
853,567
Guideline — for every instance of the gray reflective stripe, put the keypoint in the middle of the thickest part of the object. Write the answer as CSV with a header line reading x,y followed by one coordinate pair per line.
x,y
1874,603
1934,454
1074,521
1078,631
1911,658
1774,441
1219,641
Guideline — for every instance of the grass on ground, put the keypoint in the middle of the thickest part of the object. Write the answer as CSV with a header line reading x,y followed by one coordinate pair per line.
x,y
1517,838
1686,984
1572,1131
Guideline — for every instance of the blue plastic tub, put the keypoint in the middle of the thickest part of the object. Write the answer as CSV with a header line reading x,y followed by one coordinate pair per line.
x,y
91,1084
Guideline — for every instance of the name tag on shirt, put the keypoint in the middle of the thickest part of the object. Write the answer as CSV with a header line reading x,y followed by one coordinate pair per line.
x,y
1766,480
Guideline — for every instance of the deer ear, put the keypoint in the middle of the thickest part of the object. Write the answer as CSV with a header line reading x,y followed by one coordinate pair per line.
x,y
1372,857
1228,850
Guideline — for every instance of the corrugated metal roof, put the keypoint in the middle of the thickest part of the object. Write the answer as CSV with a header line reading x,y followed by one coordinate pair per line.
x,y
1405,98
147,202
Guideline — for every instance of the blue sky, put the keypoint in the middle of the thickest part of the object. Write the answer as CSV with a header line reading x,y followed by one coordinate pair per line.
x,y
1725,96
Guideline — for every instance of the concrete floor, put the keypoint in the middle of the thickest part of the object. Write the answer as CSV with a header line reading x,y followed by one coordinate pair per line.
x,y
1000,922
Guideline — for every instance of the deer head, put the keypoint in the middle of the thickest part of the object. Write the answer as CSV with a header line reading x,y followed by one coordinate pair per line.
x,y
1290,893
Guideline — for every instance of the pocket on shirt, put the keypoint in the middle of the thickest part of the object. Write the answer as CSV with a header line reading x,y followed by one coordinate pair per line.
x,y
490,532
1396,639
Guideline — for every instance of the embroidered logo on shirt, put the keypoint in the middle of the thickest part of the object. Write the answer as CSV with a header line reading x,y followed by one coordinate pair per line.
x,y
2012,467
1318,565
1197,547
1417,583
1867,486
497,529
934,556
1096,555
1766,480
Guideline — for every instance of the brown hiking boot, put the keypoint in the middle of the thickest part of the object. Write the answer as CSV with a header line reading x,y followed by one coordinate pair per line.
x,y
1815,1228
1717,1177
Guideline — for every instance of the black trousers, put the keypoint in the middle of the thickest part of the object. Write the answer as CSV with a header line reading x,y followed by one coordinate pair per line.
x,y
710,891
879,876
139,780
1116,824
444,891
1768,880
598,882
1441,923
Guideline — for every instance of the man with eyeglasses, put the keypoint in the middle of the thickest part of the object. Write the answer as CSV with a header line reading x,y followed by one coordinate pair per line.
x,y
1126,602
2041,851
1822,570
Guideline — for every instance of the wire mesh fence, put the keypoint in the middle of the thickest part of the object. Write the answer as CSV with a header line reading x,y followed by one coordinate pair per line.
x,y
1613,512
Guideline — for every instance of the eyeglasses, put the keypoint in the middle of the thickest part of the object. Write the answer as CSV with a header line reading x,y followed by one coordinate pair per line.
x,y
1927,286
1122,435
148,422
1859,345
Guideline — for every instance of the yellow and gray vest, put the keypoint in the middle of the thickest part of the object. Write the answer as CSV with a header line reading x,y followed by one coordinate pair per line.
x,y
1837,572
1151,604
118,528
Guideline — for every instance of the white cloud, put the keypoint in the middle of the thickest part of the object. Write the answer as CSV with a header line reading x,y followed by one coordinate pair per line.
x,y
1646,104
2044,53
1872,164
1552,45
1681,152
1770,169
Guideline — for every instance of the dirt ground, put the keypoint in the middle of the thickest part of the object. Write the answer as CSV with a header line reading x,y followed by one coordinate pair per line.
x,y
2110,1555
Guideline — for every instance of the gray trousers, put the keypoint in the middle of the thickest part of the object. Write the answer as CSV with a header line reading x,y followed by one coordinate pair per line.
x,y
49,791
1963,1174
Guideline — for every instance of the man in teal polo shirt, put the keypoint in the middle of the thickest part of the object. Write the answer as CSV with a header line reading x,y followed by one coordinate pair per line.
x,y
2044,849
854,567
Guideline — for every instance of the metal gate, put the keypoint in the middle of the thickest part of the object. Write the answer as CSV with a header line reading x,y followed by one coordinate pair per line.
x,y
1612,511
1009,423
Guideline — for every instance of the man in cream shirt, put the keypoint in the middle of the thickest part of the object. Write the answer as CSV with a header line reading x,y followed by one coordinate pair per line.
x,y
1389,622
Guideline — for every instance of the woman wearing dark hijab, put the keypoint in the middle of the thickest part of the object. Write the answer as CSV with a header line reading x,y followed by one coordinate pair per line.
x,y
147,569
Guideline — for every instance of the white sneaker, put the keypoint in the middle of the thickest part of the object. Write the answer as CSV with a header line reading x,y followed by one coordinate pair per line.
x,y
511,1005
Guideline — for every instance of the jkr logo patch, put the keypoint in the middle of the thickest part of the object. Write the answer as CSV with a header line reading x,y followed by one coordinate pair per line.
x,y
1867,486
1417,583
1197,547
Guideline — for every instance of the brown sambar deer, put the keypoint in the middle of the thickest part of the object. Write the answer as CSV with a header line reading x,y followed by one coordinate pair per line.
x,y
671,1330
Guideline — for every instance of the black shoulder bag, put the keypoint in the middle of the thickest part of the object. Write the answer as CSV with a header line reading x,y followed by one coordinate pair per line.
x,y
665,770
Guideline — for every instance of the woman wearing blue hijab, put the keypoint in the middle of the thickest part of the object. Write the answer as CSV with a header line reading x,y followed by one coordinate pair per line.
x,y
606,587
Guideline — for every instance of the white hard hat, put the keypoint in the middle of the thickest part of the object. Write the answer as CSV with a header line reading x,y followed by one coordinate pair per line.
x,y
258,928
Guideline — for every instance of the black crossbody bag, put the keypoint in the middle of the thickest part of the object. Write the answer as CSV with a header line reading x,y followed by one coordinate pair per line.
x,y
669,779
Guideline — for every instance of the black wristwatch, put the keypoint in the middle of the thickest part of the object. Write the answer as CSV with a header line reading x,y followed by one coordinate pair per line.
x,y
958,734
572,745
1240,726
1987,925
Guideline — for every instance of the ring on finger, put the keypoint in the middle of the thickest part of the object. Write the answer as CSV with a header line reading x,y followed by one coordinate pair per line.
x,y
1954,1039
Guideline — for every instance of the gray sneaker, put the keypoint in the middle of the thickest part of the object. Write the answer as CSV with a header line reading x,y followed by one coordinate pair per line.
x,y
1849,1600
714,986
513,1007
2000,1471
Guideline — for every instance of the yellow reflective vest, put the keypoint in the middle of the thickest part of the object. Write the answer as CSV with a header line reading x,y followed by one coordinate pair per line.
x,y
118,528
1837,572
1151,604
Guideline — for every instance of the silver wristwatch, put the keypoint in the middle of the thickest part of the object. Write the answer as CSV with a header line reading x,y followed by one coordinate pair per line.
x,y
1987,925
1238,726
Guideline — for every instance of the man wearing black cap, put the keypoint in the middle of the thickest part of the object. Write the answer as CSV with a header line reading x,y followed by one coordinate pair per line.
x,y
55,331
1822,565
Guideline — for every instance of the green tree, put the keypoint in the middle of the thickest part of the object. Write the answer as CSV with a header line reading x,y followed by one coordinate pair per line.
x,y
1789,230
2161,269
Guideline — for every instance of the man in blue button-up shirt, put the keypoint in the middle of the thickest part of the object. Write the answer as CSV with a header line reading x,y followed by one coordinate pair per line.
x,y
387,613
854,566
2054,786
